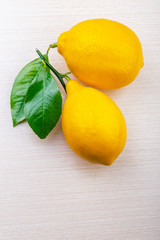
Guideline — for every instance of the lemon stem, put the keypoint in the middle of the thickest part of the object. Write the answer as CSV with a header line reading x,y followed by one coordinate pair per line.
x,y
58,75
53,45
65,75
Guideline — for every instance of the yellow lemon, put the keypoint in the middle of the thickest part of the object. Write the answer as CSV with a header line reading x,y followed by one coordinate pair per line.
x,y
92,123
102,53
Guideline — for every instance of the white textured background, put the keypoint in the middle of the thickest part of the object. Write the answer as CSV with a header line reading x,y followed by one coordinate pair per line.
x,y
46,191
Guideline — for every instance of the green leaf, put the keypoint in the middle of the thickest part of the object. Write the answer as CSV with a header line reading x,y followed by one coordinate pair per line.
x,y
20,87
43,103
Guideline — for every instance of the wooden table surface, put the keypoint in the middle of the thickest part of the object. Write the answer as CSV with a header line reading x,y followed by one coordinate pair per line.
x,y
46,191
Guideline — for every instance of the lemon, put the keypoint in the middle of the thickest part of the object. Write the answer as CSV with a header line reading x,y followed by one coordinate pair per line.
x,y
92,123
102,53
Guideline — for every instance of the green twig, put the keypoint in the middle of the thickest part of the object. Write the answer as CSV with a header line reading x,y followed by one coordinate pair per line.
x,y
59,76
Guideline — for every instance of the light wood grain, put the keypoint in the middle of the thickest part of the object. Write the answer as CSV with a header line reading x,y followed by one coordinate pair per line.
x,y
46,191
